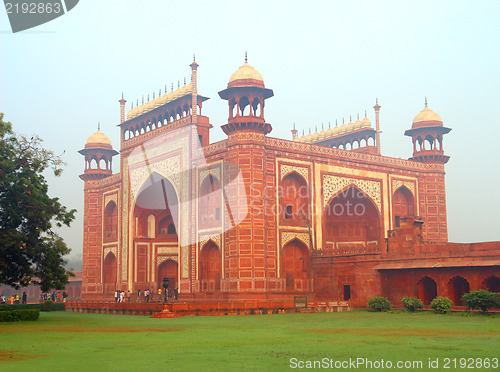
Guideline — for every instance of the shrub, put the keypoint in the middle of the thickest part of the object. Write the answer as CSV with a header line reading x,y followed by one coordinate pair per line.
x,y
17,315
378,303
441,305
412,304
482,300
40,306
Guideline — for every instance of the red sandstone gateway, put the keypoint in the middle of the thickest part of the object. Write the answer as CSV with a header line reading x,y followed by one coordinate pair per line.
x,y
323,216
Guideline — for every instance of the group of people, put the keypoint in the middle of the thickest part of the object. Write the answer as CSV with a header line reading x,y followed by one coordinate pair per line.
x,y
15,299
56,296
147,296
121,295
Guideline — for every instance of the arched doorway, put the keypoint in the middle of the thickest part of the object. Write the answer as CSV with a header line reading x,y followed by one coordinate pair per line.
x,y
351,219
427,290
491,284
295,268
457,287
168,268
403,205
109,273
294,199
156,207
210,267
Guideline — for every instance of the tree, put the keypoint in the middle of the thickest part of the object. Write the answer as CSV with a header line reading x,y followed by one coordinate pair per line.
x,y
30,251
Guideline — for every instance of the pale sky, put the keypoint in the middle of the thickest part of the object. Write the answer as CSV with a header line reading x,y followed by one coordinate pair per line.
x,y
325,60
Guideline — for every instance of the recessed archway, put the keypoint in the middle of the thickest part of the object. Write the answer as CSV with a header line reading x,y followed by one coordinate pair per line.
x,y
169,269
457,287
210,268
351,219
295,267
403,204
491,283
109,273
427,290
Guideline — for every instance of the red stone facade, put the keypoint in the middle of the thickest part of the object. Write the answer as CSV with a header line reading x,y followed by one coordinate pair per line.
x,y
256,217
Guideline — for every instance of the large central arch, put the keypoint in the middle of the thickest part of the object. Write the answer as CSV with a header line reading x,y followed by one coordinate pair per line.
x,y
351,218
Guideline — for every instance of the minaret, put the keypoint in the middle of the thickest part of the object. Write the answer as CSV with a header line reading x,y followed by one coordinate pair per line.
x,y
194,79
122,109
377,125
294,132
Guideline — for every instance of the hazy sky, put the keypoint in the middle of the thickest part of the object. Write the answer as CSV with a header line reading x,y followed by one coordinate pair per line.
x,y
324,60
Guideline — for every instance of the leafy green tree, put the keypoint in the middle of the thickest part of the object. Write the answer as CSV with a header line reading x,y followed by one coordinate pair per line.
x,y
30,251
482,300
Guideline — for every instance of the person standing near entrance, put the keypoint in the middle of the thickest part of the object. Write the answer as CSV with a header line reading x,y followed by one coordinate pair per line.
x,y
159,295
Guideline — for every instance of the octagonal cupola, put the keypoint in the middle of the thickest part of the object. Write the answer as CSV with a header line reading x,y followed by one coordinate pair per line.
x,y
246,94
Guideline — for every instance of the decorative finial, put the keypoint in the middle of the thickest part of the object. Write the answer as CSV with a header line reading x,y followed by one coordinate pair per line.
x,y
303,134
316,129
143,100
425,101
153,96
132,105
172,86
376,100
365,113
309,130
246,57
350,118
293,125
329,125
178,83
148,97
122,95
336,123
159,93
137,102
322,127
194,57
99,126
358,115
343,121
184,81
165,88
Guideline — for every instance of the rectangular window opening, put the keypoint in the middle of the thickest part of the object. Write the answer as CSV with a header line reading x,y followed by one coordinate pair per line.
x,y
347,292
288,211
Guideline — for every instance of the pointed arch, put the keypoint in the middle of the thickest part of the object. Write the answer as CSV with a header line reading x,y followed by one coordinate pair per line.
x,y
209,202
294,198
110,225
403,204
457,287
295,266
210,266
109,273
427,290
169,269
351,218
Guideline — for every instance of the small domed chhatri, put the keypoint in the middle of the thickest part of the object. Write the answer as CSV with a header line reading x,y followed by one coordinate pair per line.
x,y
426,118
98,140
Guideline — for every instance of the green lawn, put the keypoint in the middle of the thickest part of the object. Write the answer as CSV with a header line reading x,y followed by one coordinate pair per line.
x,y
61,341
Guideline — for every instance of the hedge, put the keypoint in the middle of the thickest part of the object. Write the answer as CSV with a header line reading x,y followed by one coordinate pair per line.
x,y
54,306
17,315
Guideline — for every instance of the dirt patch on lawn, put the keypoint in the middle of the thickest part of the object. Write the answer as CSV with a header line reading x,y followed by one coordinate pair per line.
x,y
10,355
403,332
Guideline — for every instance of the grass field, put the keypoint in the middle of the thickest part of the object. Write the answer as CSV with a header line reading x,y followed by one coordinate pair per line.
x,y
91,342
